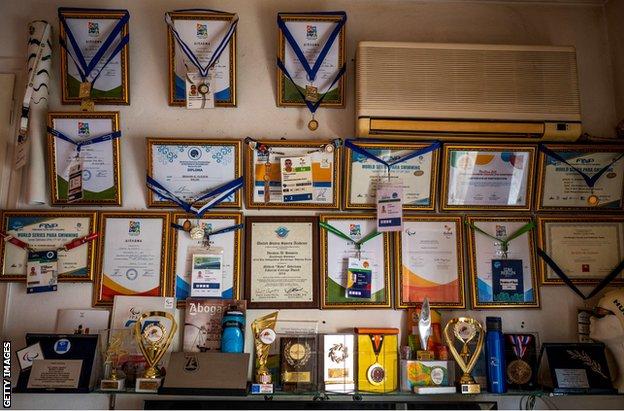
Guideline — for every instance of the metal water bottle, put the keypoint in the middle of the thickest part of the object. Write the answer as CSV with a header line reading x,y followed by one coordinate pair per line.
x,y
495,356
233,338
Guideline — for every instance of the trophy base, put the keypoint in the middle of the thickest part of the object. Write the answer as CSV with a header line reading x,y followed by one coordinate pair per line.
x,y
147,384
435,390
261,388
112,385
425,355
470,388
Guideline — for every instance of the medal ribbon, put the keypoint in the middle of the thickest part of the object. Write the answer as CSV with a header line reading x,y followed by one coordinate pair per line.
x,y
389,164
65,247
79,144
263,148
218,195
358,244
84,69
203,70
590,181
377,343
505,242
211,233
603,283
520,344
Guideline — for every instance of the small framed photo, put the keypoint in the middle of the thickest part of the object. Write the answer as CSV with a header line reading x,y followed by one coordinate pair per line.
x,y
132,250
502,262
488,177
99,163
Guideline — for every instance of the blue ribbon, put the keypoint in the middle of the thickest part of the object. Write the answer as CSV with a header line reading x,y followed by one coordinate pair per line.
x,y
79,144
203,71
590,181
354,147
84,69
218,195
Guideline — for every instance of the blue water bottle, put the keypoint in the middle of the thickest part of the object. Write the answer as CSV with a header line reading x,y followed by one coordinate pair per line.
x,y
233,337
495,356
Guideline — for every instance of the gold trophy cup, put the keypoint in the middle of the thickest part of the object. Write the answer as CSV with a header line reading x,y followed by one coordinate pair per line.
x,y
264,335
465,330
153,337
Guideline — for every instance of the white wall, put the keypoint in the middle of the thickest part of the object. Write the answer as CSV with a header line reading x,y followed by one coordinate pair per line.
x,y
580,24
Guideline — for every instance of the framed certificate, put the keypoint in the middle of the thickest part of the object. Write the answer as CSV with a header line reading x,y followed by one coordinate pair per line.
x,y
310,34
90,28
502,275
225,245
202,32
493,177
572,177
417,175
281,262
429,258
352,278
97,134
586,249
48,230
132,251
189,168
292,174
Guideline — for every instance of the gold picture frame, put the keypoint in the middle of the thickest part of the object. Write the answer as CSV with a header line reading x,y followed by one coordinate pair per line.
x,y
70,88
329,287
283,83
235,145
237,250
312,146
57,184
413,146
582,148
400,299
174,98
490,148
43,225
607,221
164,289
475,283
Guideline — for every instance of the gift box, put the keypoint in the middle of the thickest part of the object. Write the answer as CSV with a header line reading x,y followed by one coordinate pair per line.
x,y
377,359
415,373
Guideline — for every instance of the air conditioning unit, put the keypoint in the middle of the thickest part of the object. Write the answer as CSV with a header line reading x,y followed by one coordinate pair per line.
x,y
467,91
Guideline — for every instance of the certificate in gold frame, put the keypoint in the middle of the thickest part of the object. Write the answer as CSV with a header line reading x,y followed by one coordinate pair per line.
x,y
326,284
287,96
45,221
70,87
111,196
176,88
475,281
192,143
450,226
608,221
309,146
505,151
236,248
573,150
164,288
432,176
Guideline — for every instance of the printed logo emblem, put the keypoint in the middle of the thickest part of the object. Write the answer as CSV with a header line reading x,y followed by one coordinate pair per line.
x,y
448,231
585,268
194,153
94,28
501,231
83,129
134,228
62,346
282,232
191,364
132,274
202,31
355,230
311,32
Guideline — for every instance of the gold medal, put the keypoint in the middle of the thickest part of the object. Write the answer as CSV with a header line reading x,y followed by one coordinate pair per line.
x,y
311,93
593,200
197,233
203,88
519,372
84,91
313,124
376,374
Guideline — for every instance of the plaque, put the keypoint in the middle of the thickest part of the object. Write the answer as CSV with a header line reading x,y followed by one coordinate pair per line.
x,y
298,363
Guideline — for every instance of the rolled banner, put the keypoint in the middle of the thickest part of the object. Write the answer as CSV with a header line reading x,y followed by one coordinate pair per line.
x,y
31,137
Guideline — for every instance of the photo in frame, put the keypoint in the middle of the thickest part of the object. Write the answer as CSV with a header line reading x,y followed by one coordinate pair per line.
x,y
502,262
429,262
89,143
490,177
352,278
49,230
132,250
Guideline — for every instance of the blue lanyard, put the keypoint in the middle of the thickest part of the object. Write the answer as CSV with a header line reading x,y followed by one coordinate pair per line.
x,y
312,71
590,181
354,147
211,233
84,69
203,71
218,195
79,144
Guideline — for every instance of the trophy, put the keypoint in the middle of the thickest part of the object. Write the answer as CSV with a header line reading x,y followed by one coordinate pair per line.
x,y
263,330
153,333
115,351
465,330
424,331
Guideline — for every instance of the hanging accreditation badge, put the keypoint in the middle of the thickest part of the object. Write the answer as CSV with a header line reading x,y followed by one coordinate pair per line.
x,y
199,91
359,277
207,274
389,207
507,280
296,173
42,271
74,186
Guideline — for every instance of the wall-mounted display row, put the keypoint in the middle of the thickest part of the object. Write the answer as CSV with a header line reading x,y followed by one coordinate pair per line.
x,y
330,261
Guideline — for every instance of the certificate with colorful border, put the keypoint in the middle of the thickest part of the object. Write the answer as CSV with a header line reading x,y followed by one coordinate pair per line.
x,y
132,251
429,259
